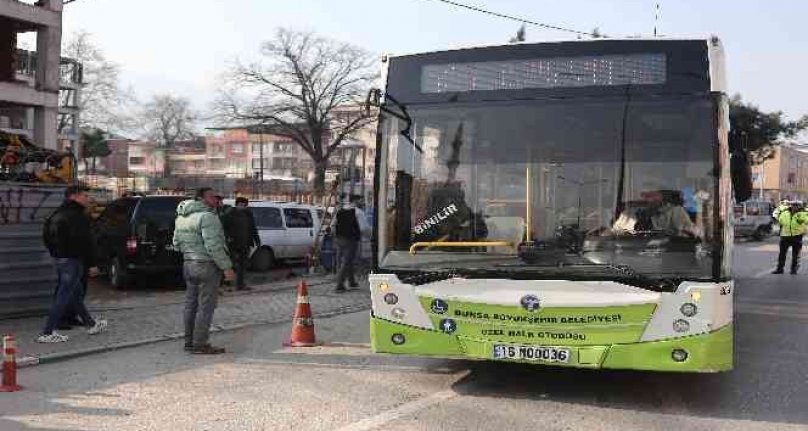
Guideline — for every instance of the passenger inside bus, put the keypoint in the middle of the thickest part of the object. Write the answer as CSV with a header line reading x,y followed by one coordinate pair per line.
x,y
658,210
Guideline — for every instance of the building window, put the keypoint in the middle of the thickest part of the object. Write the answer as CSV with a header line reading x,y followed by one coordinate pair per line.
x,y
256,163
137,160
237,148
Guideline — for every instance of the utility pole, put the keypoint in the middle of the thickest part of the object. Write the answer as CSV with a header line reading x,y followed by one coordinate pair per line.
x,y
261,163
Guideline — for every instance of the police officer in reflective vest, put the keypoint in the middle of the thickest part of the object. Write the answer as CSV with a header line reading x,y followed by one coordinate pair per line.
x,y
792,219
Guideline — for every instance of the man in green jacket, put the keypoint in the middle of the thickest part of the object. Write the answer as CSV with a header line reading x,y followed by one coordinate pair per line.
x,y
792,219
199,236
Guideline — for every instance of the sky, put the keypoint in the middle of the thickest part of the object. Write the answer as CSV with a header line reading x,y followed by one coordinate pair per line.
x,y
183,46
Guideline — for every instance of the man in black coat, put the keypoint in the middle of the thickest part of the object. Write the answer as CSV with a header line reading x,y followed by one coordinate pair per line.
x,y
242,235
67,236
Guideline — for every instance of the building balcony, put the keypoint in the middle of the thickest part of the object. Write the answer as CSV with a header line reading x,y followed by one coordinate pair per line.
x,y
71,72
24,95
28,15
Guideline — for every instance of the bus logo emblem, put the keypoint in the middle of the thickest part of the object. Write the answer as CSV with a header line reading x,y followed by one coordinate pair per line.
x,y
530,302
439,306
448,326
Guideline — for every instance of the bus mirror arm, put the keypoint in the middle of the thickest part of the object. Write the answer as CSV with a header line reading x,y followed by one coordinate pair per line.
x,y
374,99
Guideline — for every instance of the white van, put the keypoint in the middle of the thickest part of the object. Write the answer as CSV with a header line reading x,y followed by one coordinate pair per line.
x,y
287,231
754,219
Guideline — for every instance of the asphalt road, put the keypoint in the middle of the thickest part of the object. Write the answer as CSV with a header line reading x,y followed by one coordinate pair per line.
x,y
262,386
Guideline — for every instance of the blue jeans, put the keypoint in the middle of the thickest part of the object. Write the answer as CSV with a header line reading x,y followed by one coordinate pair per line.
x,y
68,294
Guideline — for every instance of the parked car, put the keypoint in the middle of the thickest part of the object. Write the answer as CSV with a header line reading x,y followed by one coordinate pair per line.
x,y
754,219
134,237
287,231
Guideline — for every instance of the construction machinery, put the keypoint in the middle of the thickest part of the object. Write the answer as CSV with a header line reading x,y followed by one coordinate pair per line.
x,y
23,161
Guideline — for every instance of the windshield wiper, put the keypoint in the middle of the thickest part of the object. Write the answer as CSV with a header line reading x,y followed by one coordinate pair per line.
x,y
625,272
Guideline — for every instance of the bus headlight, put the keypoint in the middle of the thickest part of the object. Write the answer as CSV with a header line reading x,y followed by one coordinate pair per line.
x,y
391,298
681,325
398,339
689,309
679,355
398,313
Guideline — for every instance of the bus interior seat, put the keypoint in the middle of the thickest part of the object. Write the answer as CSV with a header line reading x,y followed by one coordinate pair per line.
x,y
511,229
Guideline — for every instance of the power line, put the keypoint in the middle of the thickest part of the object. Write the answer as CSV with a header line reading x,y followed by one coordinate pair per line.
x,y
522,20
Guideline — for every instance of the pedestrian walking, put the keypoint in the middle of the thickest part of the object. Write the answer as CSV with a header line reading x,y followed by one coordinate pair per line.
x,y
199,236
242,236
792,218
68,238
349,225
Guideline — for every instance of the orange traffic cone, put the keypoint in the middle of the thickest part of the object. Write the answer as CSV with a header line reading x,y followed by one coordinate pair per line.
x,y
9,365
302,323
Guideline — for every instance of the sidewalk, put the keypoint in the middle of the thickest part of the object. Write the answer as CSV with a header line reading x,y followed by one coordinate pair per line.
x,y
159,317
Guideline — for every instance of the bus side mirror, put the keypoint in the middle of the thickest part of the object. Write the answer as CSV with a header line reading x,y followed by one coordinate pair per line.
x,y
741,173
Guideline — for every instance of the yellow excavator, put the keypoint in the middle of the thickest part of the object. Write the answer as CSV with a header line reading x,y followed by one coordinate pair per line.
x,y
23,161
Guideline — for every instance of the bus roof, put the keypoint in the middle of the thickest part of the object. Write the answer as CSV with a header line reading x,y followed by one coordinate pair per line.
x,y
559,69
711,39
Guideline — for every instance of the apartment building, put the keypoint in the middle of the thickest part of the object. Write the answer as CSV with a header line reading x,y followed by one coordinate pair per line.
x,y
784,176
228,153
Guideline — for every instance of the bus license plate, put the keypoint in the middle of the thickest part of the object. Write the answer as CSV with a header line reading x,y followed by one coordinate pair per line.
x,y
532,353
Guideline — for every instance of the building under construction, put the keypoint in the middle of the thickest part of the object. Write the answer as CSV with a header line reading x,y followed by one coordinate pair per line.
x,y
39,90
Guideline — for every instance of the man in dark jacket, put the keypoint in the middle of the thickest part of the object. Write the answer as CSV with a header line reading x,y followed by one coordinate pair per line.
x,y
349,225
68,238
242,235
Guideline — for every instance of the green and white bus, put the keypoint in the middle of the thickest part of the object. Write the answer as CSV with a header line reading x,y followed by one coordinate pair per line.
x,y
560,203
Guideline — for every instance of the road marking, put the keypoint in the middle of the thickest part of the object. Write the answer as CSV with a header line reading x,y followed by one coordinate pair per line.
x,y
770,311
766,247
360,365
385,417
329,349
764,272
769,301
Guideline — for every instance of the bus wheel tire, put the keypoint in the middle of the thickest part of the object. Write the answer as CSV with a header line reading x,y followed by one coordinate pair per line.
x,y
760,234
262,260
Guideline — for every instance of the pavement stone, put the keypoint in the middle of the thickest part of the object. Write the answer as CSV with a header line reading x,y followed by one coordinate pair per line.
x,y
156,317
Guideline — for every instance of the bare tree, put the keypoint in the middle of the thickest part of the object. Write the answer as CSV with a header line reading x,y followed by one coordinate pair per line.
x,y
104,104
307,88
168,119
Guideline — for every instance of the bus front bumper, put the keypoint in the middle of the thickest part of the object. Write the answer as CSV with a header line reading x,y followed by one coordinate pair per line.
x,y
707,352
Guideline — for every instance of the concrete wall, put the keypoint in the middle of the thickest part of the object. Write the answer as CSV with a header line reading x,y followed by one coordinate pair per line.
x,y
28,280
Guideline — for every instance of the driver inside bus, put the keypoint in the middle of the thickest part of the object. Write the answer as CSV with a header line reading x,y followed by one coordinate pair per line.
x,y
660,210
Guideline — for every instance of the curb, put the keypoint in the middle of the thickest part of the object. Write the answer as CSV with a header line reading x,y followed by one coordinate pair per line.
x,y
230,294
30,361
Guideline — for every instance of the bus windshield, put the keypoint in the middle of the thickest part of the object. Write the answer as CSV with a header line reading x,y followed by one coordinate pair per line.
x,y
562,184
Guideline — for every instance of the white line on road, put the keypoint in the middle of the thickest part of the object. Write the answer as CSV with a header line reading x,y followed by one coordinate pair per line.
x,y
361,364
762,273
377,421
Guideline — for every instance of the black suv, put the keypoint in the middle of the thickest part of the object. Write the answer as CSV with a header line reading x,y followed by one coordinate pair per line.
x,y
134,237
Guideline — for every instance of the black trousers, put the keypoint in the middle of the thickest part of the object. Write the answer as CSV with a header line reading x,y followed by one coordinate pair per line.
x,y
348,249
786,242
241,257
